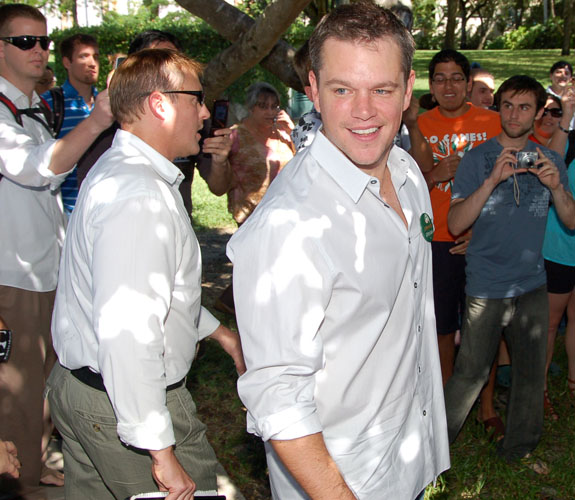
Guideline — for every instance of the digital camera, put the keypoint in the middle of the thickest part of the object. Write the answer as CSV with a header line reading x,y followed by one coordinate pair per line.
x,y
527,159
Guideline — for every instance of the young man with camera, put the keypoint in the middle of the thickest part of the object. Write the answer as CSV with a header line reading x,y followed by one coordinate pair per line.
x,y
504,196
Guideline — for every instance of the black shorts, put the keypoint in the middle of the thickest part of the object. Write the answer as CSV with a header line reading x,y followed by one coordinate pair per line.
x,y
448,287
560,278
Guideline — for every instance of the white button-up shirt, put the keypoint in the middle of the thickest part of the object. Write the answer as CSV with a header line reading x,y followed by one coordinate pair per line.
x,y
32,222
128,299
335,310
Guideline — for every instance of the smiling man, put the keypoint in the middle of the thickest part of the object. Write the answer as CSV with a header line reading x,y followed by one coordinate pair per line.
x,y
332,283
75,99
506,204
128,316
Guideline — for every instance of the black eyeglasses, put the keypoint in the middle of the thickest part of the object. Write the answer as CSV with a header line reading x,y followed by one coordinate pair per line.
x,y
555,112
27,42
199,94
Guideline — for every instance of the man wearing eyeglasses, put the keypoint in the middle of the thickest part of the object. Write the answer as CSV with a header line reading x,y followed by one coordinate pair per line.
x,y
32,224
452,128
127,317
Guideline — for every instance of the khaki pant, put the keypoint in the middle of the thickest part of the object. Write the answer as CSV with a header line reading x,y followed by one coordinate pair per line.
x,y
22,379
97,465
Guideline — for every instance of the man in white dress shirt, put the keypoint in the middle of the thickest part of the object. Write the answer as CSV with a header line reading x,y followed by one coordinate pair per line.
x,y
127,316
32,223
333,289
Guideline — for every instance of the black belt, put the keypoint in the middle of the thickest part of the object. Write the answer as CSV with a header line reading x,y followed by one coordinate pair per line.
x,y
95,381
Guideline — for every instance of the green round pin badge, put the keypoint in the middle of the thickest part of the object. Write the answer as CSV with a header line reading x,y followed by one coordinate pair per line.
x,y
427,229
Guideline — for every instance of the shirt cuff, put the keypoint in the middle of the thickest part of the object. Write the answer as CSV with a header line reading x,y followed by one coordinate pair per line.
x,y
207,323
156,433
288,424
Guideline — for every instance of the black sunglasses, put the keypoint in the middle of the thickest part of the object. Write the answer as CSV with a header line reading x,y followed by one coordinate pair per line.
x,y
27,42
199,94
555,112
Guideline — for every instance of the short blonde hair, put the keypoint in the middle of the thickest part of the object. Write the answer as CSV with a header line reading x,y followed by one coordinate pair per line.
x,y
145,72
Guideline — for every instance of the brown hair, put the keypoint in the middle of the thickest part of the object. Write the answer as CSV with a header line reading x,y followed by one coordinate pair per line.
x,y
68,45
363,22
302,63
11,11
145,72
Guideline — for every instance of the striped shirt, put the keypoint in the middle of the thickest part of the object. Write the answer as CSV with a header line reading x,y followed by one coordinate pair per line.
x,y
75,110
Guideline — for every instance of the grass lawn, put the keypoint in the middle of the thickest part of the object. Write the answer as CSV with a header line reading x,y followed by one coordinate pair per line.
x,y
476,472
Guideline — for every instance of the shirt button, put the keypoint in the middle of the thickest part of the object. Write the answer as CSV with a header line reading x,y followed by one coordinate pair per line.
x,y
419,369
373,181
415,284
419,328
424,413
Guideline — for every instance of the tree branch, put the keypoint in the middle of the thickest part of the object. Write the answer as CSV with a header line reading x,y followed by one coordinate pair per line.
x,y
253,41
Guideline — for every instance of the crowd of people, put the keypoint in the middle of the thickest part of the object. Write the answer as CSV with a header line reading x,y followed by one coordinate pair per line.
x,y
387,261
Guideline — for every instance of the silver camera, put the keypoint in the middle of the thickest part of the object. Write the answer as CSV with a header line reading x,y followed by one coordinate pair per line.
x,y
527,159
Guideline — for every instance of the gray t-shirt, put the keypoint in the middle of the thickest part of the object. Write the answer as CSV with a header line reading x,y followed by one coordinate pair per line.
x,y
504,256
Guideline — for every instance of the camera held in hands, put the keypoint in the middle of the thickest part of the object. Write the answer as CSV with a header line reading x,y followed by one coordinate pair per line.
x,y
527,159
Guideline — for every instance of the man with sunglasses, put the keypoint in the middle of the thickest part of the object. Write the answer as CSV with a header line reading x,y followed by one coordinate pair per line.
x,y
128,317
32,224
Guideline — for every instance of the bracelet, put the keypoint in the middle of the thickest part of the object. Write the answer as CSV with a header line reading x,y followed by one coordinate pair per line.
x,y
562,129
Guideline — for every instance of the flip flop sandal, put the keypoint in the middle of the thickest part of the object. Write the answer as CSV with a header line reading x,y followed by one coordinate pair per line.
x,y
548,406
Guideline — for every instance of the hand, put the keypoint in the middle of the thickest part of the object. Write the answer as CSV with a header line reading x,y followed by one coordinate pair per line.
x,y
231,343
284,122
218,146
102,114
446,168
461,244
9,463
568,107
410,114
505,166
171,476
546,171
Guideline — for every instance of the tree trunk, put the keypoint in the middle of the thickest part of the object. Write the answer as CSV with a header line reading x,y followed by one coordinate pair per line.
x,y
463,15
449,42
567,26
253,41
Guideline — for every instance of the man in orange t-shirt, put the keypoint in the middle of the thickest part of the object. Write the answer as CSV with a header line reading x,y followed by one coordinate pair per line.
x,y
452,128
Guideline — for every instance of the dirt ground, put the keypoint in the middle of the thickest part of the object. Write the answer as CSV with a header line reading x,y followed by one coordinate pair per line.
x,y
219,408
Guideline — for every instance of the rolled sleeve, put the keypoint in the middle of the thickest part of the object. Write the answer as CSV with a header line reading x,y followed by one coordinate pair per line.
x,y
207,323
282,286
131,299
24,158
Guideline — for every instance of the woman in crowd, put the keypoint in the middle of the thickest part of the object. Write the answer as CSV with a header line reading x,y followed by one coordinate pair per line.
x,y
545,127
559,254
261,146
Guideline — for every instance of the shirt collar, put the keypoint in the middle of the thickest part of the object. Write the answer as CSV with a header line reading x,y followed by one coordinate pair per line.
x,y
13,93
349,177
71,91
159,163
